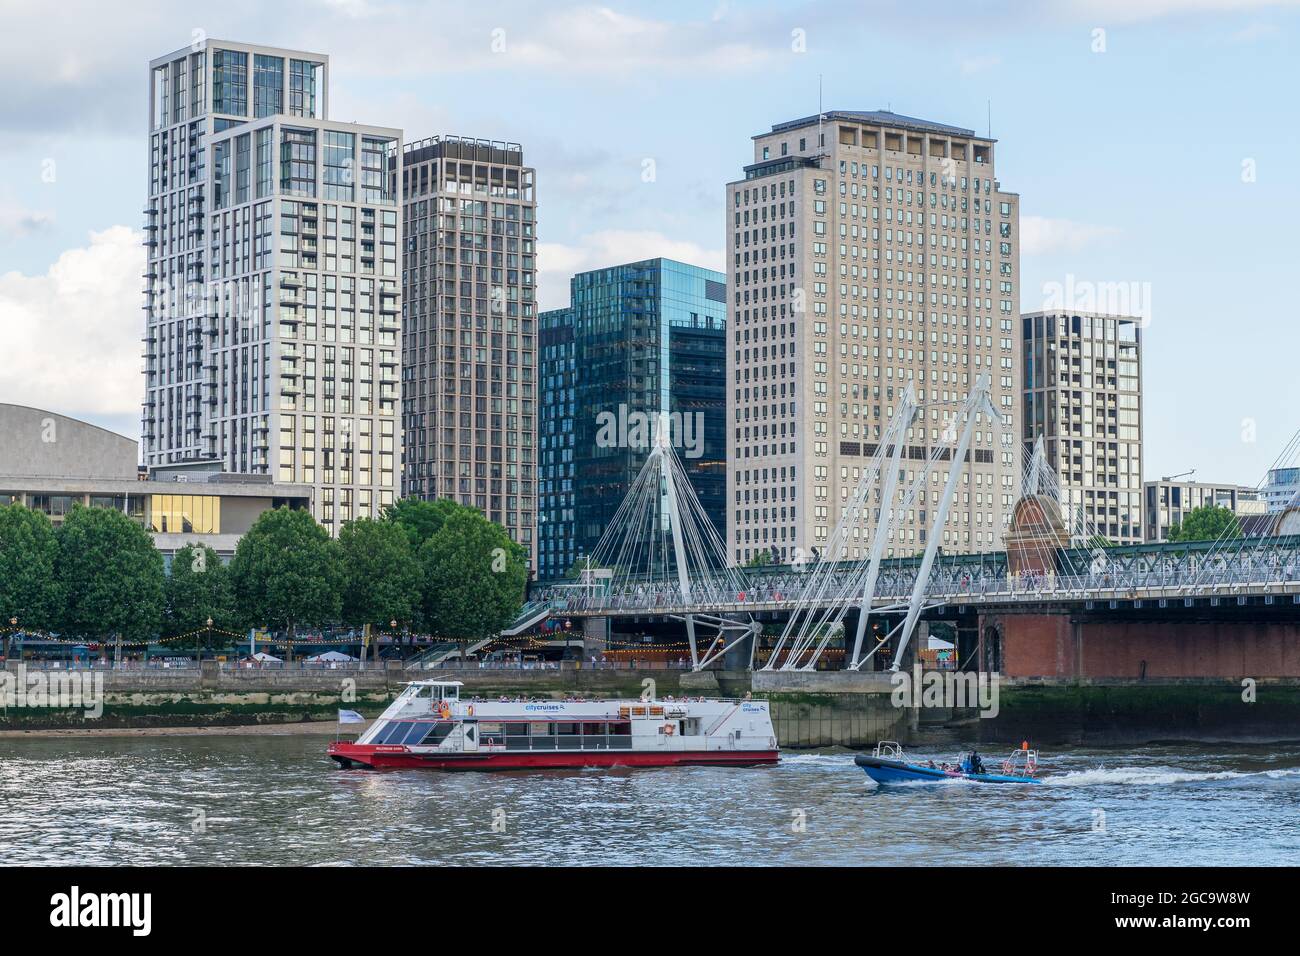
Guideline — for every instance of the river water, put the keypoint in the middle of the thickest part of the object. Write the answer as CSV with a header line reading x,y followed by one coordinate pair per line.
x,y
278,800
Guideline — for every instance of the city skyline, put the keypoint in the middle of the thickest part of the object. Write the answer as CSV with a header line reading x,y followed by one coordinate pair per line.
x,y
1094,222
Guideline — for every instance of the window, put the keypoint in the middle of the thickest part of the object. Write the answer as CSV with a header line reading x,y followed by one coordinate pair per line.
x,y
304,81
339,159
268,85
230,82
298,162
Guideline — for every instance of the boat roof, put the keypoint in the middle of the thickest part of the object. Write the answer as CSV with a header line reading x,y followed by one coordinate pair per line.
x,y
438,683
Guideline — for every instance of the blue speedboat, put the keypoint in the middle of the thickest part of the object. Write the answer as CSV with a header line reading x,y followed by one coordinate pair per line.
x,y
888,764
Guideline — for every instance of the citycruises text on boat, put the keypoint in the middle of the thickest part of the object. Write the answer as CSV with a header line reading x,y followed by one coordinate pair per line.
x,y
429,725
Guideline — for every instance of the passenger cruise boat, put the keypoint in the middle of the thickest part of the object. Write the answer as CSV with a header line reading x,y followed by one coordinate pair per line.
x,y
430,725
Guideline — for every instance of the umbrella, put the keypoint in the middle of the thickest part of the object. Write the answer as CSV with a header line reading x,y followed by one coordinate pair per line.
x,y
331,656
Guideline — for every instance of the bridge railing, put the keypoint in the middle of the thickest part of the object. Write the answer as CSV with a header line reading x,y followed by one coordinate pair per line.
x,y
943,585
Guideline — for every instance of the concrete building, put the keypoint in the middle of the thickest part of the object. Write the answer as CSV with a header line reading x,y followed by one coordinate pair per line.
x,y
638,340
50,463
1281,488
272,296
469,342
867,252
1167,502
1083,396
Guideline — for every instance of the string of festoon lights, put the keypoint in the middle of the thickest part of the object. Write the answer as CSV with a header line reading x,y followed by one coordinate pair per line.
x,y
47,637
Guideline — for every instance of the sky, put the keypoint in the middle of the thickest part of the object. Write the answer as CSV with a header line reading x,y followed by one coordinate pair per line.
x,y
1154,145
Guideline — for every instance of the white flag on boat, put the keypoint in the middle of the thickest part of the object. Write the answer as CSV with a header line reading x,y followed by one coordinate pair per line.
x,y
350,717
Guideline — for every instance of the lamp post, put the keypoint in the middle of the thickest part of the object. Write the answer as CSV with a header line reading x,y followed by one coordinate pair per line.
x,y
9,638
207,640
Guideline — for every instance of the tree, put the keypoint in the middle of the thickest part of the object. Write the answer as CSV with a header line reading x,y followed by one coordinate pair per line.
x,y
474,577
29,554
198,589
286,572
110,575
1207,523
420,519
380,573
761,559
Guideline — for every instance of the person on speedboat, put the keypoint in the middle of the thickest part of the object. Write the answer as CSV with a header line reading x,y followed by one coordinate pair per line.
x,y
976,763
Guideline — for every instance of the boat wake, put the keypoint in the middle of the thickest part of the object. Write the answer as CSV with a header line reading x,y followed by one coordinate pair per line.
x,y
1159,776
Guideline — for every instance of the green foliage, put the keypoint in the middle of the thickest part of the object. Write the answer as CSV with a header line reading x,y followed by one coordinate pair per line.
x,y
286,572
1207,523
28,557
420,519
1100,541
197,589
474,576
381,576
110,574
761,559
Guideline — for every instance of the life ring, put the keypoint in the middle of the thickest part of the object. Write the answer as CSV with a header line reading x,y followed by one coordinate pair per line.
x,y
471,710
444,711
670,729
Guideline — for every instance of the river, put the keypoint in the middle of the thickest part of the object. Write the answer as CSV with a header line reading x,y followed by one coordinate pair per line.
x,y
277,800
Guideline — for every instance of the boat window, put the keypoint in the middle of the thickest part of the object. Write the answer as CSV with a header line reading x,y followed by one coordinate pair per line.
x,y
424,692
543,730
437,732
394,732
567,729
622,727
516,730
496,729
593,729
417,731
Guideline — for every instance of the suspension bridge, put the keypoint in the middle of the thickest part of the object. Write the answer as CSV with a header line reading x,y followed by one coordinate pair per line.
x,y
662,558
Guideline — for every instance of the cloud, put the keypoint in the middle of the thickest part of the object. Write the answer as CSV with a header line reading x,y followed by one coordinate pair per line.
x,y
1127,11
71,337
557,263
1254,31
977,64
19,223
1039,235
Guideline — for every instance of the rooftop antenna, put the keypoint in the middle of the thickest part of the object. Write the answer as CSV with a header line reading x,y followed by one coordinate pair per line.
x,y
821,137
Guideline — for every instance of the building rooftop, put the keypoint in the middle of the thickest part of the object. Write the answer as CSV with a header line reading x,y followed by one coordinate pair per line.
x,y
881,117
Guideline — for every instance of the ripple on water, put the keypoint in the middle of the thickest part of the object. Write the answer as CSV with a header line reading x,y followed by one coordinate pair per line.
x,y
276,800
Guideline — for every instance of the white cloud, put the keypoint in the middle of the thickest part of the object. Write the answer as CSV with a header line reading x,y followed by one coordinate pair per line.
x,y
557,263
977,64
17,222
1040,235
1126,11
71,337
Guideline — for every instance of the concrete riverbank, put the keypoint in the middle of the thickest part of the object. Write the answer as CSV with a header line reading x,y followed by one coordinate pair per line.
x,y
829,708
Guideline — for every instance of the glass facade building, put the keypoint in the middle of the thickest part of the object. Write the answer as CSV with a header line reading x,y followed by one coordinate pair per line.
x,y
272,297
637,341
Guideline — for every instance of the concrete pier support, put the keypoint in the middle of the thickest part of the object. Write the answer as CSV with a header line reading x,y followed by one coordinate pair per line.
x,y
595,636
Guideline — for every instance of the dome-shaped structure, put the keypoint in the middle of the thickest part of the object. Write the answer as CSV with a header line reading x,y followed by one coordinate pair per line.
x,y
1036,534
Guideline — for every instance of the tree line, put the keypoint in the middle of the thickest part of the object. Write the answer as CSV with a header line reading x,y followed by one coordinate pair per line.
x,y
437,568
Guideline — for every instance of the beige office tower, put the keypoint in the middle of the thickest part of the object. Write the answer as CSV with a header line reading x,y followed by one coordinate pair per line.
x,y
273,301
867,252
469,273
1083,397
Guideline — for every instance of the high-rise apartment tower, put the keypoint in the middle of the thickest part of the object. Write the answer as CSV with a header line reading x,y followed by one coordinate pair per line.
x,y
273,300
867,252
